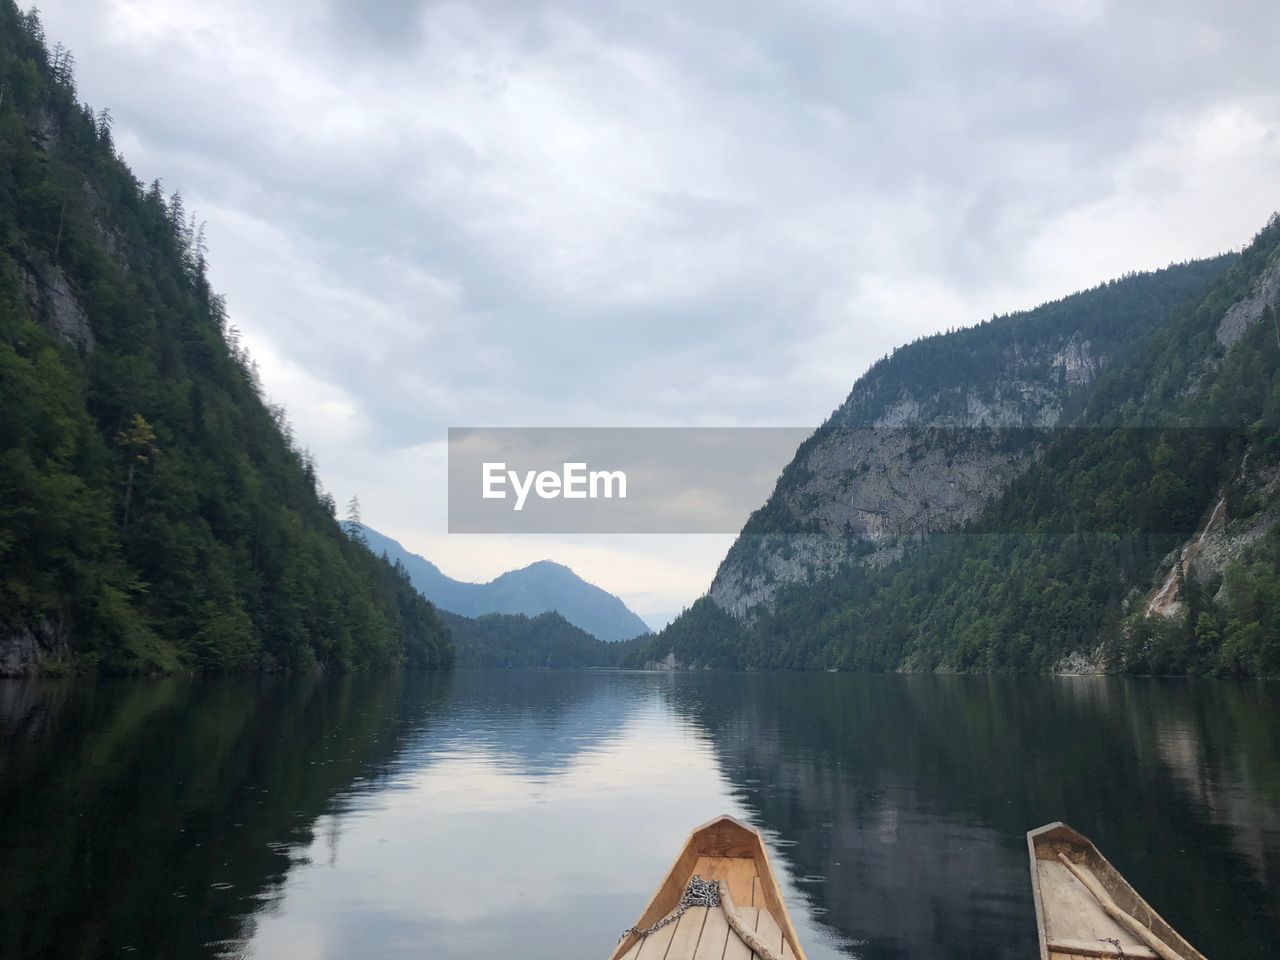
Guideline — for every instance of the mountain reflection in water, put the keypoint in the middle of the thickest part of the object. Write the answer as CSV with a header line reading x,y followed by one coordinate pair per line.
x,y
507,813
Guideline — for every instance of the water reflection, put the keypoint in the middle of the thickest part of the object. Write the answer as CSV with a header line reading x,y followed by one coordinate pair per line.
x,y
524,825
153,817
531,813
910,796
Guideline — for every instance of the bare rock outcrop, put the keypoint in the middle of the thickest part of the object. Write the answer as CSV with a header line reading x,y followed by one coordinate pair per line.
x,y
924,464
32,647
1078,663
52,300
1250,310
1219,541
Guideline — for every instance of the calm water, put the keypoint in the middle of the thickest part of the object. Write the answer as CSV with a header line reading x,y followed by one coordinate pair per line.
x,y
503,814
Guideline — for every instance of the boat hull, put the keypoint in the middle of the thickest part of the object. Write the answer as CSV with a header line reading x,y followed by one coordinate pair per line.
x,y
730,852
1071,883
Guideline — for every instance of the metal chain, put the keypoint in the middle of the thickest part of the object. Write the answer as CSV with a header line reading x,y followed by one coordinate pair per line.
x,y
1115,943
699,893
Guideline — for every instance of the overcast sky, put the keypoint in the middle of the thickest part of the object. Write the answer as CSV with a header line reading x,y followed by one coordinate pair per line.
x,y
583,212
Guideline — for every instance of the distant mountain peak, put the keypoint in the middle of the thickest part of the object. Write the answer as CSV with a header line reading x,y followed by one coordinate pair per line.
x,y
549,565
543,586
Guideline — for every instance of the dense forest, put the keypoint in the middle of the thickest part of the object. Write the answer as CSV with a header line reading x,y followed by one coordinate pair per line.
x,y
1061,563
546,640
155,513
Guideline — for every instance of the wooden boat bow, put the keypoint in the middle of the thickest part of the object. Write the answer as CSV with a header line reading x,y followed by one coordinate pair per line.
x,y
751,920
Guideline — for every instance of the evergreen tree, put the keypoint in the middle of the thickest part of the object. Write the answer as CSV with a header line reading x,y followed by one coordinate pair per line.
x,y
354,528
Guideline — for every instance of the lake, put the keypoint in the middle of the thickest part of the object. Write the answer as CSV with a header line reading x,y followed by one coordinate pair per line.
x,y
531,814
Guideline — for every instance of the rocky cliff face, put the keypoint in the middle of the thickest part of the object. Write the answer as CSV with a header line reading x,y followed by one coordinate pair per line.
x,y
933,433
923,466
1261,304
36,647
50,297
872,488
1220,540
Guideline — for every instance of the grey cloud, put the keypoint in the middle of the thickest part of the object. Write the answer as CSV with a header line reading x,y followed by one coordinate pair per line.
x,y
393,26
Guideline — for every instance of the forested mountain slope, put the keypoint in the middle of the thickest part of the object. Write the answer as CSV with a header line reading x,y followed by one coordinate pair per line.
x,y
931,434
1167,477
154,513
546,640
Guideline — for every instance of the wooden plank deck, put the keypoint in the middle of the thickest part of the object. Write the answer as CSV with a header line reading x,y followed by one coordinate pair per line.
x,y
738,873
703,933
715,935
1077,925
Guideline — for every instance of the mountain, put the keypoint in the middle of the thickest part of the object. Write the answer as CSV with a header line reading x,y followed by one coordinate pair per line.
x,y
930,435
538,588
155,514
1093,485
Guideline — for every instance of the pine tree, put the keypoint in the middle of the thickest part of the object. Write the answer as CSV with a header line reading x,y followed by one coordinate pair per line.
x,y
352,525
138,443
